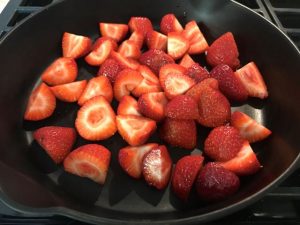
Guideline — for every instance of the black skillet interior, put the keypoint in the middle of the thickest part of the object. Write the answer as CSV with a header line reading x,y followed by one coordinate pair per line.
x,y
29,178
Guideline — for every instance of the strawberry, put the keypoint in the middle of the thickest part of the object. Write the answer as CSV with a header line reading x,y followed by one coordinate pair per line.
x,y
100,51
61,71
135,130
75,46
69,92
91,161
186,61
140,24
56,141
197,89
95,87
110,68
157,167
128,106
177,45
180,133
155,59
124,62
138,38
244,163
185,174
126,81
223,51
113,30
215,183
197,72
131,159
169,23
152,105
197,41
182,107
170,69
229,84
248,127
252,80
96,119
41,103
223,143
156,40
129,49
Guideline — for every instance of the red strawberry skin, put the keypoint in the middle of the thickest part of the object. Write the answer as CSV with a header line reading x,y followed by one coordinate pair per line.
x,y
140,24
196,90
56,141
169,23
197,72
110,68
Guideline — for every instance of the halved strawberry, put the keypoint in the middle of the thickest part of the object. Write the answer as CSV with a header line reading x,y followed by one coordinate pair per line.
x,y
248,127
129,49
135,130
140,24
91,161
61,71
197,89
115,31
138,38
126,81
156,40
197,72
110,68
95,87
152,105
186,61
252,80
96,120
124,62
75,46
170,69
169,23
69,92
128,106
41,103
157,167
178,45
131,158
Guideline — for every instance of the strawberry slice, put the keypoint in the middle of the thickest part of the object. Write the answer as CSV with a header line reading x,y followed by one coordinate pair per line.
x,y
114,31
140,24
170,69
248,127
138,38
152,105
61,71
96,120
157,167
56,141
75,46
110,68
41,103
129,49
197,89
169,23
156,40
135,130
128,106
186,61
127,80
69,92
124,62
91,161
252,80
178,45
245,162
95,87
131,159
197,72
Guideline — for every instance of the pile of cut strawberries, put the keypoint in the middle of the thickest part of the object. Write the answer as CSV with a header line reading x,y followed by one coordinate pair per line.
x,y
158,86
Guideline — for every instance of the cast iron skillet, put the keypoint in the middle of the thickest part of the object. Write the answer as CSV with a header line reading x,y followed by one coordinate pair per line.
x,y
32,185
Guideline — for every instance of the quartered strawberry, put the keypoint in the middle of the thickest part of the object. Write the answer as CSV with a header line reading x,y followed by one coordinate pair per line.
x,y
128,106
177,45
56,141
41,103
96,120
152,105
61,71
186,61
182,107
75,46
69,92
185,174
131,158
229,84
135,130
129,49
95,87
252,80
156,40
110,68
91,161
124,62
180,133
169,23
115,31
155,59
140,24
170,69
157,167
248,127
197,72
138,38
223,51
197,89
126,81
244,163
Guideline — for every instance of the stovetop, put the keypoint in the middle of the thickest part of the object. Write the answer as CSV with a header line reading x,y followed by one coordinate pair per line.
x,y
281,206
